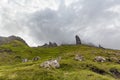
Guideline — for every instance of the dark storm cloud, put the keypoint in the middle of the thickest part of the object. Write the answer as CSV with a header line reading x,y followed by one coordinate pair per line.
x,y
95,21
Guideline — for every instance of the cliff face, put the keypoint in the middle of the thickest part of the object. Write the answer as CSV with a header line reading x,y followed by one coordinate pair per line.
x,y
5,40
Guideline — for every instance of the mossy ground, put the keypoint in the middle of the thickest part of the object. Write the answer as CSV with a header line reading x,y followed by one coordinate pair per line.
x,y
12,67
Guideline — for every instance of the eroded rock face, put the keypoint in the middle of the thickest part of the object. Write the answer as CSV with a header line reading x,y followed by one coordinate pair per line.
x,y
79,58
78,41
50,64
99,59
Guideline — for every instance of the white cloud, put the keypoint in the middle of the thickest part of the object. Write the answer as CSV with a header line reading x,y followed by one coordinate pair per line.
x,y
39,21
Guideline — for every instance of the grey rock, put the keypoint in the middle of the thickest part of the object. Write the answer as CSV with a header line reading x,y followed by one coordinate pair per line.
x,y
25,60
99,59
101,47
50,64
50,44
78,41
36,58
79,57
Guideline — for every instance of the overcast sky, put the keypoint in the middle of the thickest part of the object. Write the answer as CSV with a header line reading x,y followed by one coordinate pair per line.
x,y
41,21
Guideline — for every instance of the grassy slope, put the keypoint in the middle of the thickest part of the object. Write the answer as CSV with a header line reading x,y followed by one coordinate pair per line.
x,y
13,69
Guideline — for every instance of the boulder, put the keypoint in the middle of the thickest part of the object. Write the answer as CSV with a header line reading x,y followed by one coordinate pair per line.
x,y
99,59
24,60
79,58
78,41
54,64
50,64
45,64
36,58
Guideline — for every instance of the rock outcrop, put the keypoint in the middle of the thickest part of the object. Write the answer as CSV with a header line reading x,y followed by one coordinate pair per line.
x,y
101,47
78,41
50,44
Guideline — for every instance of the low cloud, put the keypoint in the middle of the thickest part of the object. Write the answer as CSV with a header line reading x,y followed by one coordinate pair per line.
x,y
94,21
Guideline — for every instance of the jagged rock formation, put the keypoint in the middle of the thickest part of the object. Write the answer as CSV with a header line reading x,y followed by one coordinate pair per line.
x,y
78,41
5,40
50,44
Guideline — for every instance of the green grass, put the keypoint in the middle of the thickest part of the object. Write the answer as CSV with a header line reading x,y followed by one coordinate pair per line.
x,y
12,68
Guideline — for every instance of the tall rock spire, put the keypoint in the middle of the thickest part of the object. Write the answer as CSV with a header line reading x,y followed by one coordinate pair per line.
x,y
78,41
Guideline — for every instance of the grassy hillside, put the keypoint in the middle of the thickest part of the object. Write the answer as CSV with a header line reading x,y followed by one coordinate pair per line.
x,y
12,67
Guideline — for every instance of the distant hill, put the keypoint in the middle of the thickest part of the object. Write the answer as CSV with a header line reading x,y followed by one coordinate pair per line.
x,y
6,40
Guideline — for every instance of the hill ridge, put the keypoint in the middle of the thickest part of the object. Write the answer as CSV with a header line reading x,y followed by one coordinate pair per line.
x,y
6,40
